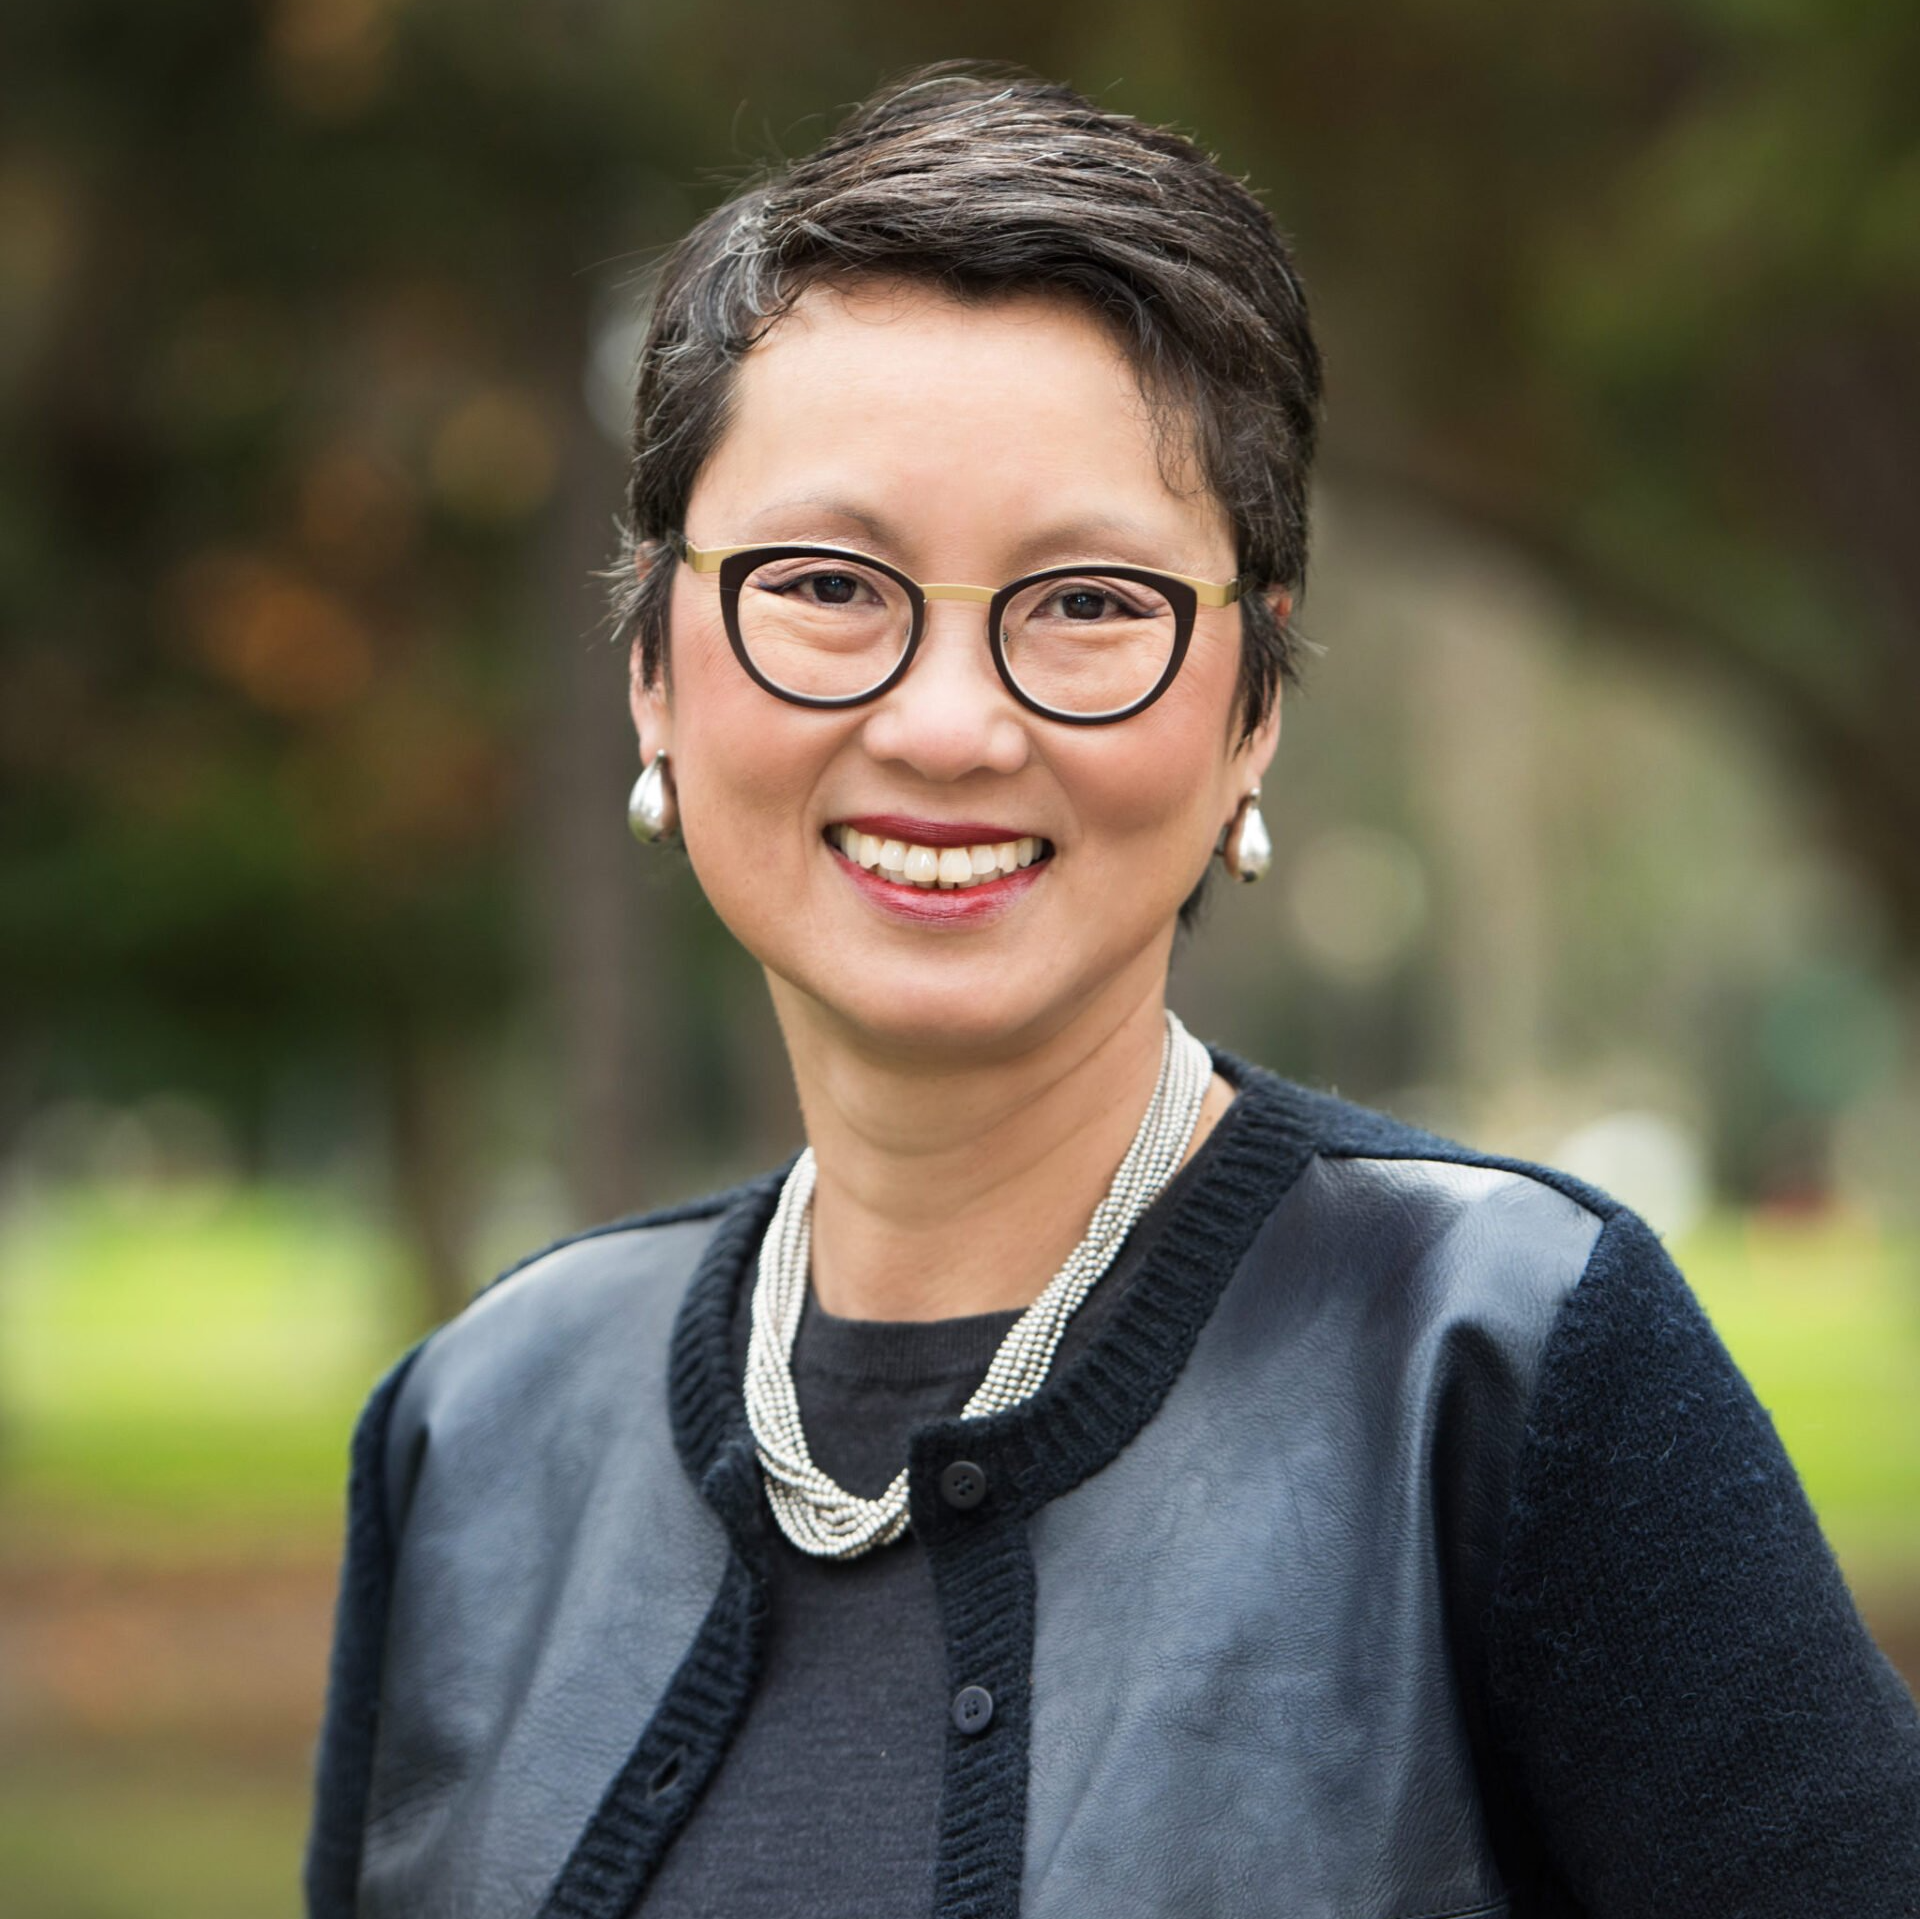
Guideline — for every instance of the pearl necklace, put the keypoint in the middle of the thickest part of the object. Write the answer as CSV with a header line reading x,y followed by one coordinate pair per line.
x,y
815,1512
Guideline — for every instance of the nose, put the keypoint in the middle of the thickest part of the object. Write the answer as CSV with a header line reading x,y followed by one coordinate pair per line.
x,y
950,715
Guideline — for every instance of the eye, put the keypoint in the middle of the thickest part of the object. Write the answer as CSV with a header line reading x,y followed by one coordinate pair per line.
x,y
822,587
832,589
1083,603
1088,601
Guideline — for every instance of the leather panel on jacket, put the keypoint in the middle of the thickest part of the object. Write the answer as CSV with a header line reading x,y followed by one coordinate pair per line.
x,y
1243,1697
555,1562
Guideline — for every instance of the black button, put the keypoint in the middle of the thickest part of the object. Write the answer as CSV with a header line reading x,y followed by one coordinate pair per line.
x,y
972,1708
963,1484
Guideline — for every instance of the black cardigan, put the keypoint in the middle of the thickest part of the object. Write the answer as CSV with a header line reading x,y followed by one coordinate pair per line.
x,y
1670,1704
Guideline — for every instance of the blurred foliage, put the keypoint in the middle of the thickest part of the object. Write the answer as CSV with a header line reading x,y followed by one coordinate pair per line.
x,y
306,307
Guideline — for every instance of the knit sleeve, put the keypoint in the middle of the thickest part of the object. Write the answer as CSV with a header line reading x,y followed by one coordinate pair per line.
x,y
343,1759
1681,1692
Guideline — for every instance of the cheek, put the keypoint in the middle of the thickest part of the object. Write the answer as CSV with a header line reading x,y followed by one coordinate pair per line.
x,y
728,759
745,764
1158,783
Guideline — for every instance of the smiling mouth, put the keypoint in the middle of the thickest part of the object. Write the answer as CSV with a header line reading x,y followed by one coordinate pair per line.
x,y
951,869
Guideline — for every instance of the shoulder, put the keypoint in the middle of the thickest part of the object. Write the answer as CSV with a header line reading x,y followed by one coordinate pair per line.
x,y
1414,1207
563,1295
565,1334
1391,1152
636,1264
1624,1306
1617,1333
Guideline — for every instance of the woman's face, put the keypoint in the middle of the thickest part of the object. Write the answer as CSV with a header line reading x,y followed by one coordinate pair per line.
x,y
961,442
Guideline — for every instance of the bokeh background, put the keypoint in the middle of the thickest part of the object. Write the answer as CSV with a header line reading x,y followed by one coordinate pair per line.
x,y
330,980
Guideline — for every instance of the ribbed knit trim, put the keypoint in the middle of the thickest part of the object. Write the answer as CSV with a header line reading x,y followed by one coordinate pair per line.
x,y
1082,1417
336,1840
702,1394
676,1757
983,1570
985,1585
684,1742
343,1773
982,1559
981,1562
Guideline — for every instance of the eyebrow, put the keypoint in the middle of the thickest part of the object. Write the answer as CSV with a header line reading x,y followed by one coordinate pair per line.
x,y
1085,536
826,506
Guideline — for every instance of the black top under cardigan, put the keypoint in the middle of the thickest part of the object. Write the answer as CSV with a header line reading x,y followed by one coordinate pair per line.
x,y
1670,1701
827,1805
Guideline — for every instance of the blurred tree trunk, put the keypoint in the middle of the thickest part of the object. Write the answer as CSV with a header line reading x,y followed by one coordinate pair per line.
x,y
1475,688
1844,712
430,1153
603,967
1849,421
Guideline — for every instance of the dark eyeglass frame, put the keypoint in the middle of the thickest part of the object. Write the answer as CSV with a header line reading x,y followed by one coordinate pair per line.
x,y
734,564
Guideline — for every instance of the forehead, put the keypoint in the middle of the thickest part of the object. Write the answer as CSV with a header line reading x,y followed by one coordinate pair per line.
x,y
1017,403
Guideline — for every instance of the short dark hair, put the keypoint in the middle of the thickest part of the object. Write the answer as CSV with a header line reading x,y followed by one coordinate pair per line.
x,y
984,180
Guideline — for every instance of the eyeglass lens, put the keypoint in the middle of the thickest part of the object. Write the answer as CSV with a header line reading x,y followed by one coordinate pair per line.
x,y
1090,643
831,629
825,629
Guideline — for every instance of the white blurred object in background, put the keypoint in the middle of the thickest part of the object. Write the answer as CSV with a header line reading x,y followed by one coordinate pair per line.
x,y
1651,1161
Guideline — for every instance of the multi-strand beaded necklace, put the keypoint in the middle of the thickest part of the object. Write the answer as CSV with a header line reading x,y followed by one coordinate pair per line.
x,y
815,1512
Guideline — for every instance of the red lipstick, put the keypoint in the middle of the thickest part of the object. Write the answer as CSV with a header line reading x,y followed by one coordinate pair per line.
x,y
932,905
896,826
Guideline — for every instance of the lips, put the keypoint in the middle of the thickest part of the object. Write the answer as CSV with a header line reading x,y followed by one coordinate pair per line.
x,y
935,833
947,874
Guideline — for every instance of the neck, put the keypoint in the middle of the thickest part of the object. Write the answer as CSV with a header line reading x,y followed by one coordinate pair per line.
x,y
957,1188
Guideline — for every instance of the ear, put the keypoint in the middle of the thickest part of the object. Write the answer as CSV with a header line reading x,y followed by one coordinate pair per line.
x,y
652,709
651,703
1252,758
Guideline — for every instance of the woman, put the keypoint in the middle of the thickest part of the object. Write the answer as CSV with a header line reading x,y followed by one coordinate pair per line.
x,y
1309,1516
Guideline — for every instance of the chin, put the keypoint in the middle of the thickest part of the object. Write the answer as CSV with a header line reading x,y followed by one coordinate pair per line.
x,y
940,1013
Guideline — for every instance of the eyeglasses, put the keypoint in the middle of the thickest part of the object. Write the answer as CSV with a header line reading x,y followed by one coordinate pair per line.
x,y
825,627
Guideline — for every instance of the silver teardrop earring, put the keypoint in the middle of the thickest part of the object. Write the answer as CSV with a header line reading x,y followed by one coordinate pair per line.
x,y
1246,850
652,811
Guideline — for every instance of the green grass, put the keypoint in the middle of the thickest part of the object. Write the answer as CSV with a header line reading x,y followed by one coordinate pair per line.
x,y
121,1840
192,1360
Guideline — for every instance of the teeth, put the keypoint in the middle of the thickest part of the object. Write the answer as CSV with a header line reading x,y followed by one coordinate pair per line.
x,y
952,868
